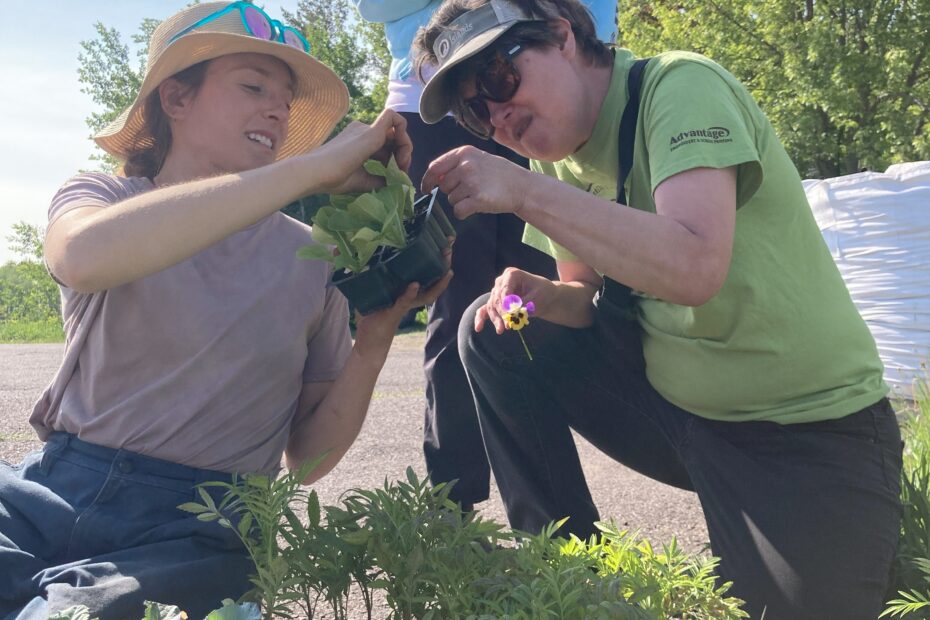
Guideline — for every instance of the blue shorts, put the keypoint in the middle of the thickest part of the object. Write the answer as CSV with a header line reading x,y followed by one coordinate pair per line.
x,y
82,524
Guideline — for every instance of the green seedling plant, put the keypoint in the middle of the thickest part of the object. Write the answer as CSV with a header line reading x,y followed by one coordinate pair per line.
x,y
408,546
912,562
358,224
260,509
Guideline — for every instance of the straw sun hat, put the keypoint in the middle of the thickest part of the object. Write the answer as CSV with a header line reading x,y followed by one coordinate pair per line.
x,y
320,97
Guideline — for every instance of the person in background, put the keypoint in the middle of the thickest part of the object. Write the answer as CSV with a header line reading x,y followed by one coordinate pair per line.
x,y
197,345
486,244
699,331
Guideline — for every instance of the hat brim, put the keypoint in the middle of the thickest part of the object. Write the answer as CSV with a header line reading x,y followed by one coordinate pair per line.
x,y
439,95
321,99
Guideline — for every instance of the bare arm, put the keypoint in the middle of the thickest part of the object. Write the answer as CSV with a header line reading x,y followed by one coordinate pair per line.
x,y
680,254
330,415
91,249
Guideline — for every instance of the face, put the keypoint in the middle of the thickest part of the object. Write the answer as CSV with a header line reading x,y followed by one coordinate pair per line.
x,y
238,118
542,120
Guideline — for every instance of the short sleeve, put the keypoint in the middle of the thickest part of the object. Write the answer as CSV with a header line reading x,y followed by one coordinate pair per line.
x,y
86,190
329,347
714,129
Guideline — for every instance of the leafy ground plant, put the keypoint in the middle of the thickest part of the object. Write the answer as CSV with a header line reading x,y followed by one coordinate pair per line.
x,y
358,224
430,561
912,564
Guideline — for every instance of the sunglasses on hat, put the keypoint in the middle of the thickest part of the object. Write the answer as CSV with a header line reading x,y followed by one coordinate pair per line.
x,y
497,80
258,24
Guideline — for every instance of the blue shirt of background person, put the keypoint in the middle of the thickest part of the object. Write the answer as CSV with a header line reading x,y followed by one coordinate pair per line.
x,y
402,19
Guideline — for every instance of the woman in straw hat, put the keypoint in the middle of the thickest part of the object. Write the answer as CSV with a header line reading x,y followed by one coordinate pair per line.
x,y
197,344
739,369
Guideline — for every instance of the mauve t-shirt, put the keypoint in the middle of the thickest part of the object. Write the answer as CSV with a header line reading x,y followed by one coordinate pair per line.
x,y
203,362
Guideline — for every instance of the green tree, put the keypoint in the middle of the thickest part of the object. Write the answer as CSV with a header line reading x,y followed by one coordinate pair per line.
x,y
111,77
356,50
845,84
27,292
26,241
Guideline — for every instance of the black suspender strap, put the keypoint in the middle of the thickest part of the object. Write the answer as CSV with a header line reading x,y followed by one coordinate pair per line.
x,y
620,295
627,138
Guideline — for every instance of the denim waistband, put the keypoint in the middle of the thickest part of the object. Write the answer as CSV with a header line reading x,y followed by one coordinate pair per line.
x,y
128,462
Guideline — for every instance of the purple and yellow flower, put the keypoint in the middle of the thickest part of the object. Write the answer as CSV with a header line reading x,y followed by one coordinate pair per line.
x,y
517,316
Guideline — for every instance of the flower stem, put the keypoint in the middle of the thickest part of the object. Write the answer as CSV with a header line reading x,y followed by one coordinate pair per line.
x,y
525,348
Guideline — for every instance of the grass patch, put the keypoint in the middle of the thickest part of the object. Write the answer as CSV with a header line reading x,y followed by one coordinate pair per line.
x,y
20,332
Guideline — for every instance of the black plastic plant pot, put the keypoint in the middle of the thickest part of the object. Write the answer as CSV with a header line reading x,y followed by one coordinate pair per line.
x,y
390,270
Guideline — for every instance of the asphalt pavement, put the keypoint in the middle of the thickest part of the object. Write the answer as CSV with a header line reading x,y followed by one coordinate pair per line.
x,y
389,442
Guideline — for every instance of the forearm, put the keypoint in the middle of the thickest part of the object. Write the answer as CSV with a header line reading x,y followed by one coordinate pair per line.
x,y
571,305
162,227
334,424
648,252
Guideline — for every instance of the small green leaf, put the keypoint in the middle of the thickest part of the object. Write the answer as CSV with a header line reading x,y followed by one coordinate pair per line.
x,y
193,507
316,252
313,509
245,524
231,611
375,167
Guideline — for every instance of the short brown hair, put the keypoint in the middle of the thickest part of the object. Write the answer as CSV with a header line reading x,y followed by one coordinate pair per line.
x,y
528,34
151,146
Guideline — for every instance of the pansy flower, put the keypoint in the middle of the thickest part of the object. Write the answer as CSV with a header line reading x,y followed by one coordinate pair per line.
x,y
517,316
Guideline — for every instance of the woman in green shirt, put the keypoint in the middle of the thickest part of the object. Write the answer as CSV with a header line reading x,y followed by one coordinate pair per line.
x,y
699,331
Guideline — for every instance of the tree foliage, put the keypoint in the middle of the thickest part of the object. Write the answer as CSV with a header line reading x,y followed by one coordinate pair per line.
x,y
846,83
27,293
111,77
356,50
26,241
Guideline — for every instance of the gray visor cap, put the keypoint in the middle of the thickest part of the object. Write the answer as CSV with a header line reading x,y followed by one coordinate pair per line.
x,y
464,37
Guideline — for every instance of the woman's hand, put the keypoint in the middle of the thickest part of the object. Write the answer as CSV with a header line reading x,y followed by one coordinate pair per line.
x,y
529,287
345,154
376,330
478,182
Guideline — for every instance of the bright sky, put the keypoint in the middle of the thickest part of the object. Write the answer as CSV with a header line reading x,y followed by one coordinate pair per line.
x,y
43,136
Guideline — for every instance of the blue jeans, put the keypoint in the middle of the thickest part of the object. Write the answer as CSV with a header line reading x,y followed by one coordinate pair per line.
x,y
82,524
805,517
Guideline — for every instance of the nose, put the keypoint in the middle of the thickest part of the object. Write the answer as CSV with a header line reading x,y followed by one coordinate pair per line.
x,y
279,108
499,113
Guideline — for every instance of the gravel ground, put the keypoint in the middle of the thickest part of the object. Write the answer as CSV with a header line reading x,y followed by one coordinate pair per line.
x,y
388,443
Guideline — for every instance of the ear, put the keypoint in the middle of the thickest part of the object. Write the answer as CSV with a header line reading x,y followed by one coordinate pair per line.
x,y
563,30
176,99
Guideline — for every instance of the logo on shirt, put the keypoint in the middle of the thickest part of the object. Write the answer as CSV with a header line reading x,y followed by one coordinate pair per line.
x,y
711,135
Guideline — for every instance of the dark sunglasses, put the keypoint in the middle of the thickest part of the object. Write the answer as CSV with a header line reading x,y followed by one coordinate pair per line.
x,y
497,80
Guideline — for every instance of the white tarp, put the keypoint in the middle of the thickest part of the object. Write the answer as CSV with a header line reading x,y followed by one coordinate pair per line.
x,y
877,226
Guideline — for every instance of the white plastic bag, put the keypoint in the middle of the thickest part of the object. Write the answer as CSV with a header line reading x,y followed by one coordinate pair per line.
x,y
877,226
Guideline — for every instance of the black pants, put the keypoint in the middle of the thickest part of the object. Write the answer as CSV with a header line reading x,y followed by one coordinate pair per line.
x,y
485,245
804,517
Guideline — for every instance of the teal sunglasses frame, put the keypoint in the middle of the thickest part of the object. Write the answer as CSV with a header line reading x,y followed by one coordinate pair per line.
x,y
277,28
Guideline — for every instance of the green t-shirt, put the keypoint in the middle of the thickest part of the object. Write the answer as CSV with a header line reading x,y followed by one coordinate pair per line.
x,y
781,340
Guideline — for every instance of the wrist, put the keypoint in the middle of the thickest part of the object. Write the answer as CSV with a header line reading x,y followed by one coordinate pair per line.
x,y
527,193
371,352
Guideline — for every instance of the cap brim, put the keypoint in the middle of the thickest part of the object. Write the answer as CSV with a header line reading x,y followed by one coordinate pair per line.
x,y
438,95
321,99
